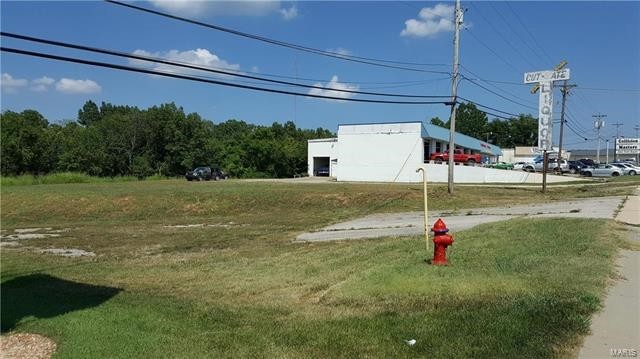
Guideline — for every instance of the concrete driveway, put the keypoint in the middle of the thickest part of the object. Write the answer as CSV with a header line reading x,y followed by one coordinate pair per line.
x,y
411,223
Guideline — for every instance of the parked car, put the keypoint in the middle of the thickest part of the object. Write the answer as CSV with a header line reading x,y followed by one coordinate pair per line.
x,y
627,168
552,166
322,171
501,165
602,171
587,162
205,174
576,167
519,165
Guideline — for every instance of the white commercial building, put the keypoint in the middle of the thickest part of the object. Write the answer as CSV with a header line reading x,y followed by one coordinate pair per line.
x,y
391,152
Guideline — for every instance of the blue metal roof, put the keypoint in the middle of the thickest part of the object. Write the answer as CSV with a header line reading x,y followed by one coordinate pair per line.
x,y
442,134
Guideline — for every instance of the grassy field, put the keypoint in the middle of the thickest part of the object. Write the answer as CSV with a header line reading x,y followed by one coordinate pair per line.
x,y
237,286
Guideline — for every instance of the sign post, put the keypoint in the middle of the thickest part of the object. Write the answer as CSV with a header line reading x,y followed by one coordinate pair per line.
x,y
544,81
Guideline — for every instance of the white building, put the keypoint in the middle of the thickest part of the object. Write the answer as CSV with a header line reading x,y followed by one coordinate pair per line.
x,y
391,152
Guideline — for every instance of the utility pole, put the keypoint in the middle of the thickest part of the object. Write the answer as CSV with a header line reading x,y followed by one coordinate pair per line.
x,y
615,148
637,128
565,92
598,124
459,14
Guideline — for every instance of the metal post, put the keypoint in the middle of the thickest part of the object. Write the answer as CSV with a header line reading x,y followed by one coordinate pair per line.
x,y
598,124
545,164
607,151
454,93
426,218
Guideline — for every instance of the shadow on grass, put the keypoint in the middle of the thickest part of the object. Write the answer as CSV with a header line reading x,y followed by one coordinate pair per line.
x,y
44,296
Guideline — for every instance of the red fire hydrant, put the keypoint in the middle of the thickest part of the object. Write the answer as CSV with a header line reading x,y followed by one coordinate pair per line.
x,y
441,241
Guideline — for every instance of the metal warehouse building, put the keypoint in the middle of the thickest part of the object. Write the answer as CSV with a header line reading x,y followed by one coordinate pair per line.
x,y
387,152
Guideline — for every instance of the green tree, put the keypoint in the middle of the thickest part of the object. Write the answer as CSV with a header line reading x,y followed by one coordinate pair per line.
x,y
471,121
24,142
438,122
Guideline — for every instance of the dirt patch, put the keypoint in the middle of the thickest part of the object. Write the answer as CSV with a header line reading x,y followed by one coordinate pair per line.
x,y
69,252
202,225
25,345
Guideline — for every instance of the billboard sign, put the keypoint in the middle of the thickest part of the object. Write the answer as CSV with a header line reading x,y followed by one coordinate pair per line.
x,y
543,76
545,112
628,146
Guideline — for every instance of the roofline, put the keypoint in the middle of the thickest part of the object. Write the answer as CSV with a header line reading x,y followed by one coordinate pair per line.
x,y
332,139
378,123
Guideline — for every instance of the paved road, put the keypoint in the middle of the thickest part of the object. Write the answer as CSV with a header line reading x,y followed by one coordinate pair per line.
x,y
412,223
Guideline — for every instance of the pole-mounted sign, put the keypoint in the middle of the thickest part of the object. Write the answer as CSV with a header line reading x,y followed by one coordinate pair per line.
x,y
545,81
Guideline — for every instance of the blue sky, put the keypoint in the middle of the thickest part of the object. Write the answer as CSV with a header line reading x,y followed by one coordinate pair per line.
x,y
500,41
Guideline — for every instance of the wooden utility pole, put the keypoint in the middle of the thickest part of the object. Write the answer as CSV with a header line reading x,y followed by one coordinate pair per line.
x,y
458,18
565,92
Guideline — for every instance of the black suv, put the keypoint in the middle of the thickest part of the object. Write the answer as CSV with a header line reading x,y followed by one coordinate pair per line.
x,y
205,174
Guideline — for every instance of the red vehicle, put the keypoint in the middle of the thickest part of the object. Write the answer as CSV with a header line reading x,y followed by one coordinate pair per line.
x,y
458,156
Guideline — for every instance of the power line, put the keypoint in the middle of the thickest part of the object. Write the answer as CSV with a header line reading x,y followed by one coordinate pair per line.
x,y
502,36
535,53
479,78
497,94
196,67
358,59
491,50
198,79
608,89
550,63
487,107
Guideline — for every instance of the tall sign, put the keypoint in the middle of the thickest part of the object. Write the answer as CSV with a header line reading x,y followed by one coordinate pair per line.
x,y
545,81
628,146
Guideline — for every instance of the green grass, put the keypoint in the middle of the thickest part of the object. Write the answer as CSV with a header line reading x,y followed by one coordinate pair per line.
x,y
524,288
61,178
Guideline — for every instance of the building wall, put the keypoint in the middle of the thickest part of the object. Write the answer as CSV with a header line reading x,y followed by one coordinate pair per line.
x,y
380,152
469,174
327,147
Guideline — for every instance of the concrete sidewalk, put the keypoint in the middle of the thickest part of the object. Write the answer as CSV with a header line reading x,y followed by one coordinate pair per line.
x,y
615,331
630,212
412,223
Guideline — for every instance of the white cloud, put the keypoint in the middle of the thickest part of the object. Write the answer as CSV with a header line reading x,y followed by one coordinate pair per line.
x,y
42,84
255,69
431,21
335,85
77,86
290,13
198,57
216,8
340,51
11,85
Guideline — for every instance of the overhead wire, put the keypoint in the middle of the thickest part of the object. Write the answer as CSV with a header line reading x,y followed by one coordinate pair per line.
x,y
197,67
515,50
497,94
352,58
543,51
210,81
479,78
513,30
466,28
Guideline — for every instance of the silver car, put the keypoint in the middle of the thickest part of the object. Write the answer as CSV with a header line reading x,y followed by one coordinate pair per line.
x,y
602,171
627,168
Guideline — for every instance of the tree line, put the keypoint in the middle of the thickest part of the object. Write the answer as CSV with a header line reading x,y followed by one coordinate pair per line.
x,y
111,140
505,133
